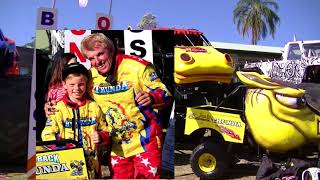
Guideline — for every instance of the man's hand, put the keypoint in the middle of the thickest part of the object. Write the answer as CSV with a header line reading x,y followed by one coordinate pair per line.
x,y
49,108
144,98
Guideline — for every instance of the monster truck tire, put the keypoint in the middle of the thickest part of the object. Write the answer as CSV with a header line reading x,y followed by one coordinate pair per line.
x,y
210,160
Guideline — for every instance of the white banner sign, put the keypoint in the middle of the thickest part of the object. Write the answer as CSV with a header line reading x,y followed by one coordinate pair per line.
x,y
73,40
139,43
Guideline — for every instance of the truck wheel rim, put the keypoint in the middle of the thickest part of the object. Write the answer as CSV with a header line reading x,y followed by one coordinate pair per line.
x,y
207,162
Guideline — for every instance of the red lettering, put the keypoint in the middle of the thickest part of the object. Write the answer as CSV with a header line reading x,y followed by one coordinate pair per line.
x,y
74,49
104,23
78,32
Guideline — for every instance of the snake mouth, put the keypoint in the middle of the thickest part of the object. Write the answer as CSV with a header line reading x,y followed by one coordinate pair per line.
x,y
224,78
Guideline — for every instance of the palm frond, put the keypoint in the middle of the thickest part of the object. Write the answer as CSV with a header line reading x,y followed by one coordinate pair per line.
x,y
257,18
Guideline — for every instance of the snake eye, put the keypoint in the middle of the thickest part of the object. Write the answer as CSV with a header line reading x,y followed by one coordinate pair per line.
x,y
186,58
293,102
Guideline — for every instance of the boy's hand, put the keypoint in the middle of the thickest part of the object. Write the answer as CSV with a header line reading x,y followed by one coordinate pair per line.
x,y
49,107
95,136
144,98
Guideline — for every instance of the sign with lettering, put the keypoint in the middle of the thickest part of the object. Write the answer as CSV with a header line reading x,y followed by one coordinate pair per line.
x,y
139,43
73,40
229,125
47,18
65,164
103,22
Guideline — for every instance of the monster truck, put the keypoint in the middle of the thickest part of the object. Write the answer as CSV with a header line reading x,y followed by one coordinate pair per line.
x,y
235,114
300,63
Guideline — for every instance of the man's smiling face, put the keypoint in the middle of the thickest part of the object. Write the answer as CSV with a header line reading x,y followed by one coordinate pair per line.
x,y
100,58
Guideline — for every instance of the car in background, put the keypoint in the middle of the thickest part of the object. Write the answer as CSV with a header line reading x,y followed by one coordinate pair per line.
x,y
300,63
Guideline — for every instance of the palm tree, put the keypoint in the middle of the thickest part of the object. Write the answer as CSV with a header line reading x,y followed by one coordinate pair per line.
x,y
256,17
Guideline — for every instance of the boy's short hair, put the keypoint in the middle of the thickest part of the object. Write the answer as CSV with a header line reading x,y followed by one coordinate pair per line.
x,y
75,68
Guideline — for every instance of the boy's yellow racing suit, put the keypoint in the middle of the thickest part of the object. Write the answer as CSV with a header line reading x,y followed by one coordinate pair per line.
x,y
64,125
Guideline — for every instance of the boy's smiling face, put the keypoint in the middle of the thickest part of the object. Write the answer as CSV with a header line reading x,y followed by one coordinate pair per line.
x,y
76,86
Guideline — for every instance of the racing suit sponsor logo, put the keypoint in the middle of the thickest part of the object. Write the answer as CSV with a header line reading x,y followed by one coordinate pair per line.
x,y
153,76
121,126
101,89
84,122
49,122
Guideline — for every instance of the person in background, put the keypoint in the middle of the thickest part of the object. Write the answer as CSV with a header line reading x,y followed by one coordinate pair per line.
x,y
78,117
55,89
168,148
49,83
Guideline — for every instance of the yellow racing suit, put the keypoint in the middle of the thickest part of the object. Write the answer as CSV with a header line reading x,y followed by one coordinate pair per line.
x,y
64,125
134,129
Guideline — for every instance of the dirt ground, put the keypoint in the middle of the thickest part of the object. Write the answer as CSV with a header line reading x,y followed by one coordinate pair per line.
x,y
244,170
12,172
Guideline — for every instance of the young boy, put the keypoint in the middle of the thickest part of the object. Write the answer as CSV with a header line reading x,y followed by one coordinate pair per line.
x,y
78,117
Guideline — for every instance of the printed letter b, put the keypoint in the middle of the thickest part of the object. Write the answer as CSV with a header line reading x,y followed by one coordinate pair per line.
x,y
47,18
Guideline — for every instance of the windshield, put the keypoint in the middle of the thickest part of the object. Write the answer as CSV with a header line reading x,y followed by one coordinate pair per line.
x,y
191,40
311,50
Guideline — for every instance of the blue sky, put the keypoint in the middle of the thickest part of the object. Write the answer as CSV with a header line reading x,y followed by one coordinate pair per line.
x,y
213,17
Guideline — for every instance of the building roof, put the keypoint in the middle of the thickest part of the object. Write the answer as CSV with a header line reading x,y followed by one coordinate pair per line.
x,y
246,47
